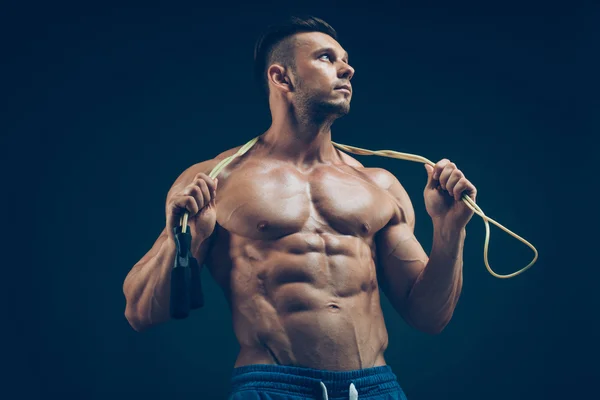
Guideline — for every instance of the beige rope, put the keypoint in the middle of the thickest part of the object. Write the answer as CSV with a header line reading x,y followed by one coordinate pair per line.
x,y
400,156
470,203
215,172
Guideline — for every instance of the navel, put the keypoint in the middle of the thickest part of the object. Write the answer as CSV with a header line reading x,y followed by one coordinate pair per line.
x,y
365,228
333,307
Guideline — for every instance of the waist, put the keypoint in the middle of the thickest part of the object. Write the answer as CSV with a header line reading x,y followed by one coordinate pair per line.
x,y
307,381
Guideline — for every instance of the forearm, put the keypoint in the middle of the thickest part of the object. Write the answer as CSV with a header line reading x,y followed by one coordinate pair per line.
x,y
434,295
147,287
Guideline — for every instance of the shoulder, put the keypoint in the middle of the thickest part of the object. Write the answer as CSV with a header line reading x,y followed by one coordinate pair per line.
x,y
204,167
381,177
390,184
349,160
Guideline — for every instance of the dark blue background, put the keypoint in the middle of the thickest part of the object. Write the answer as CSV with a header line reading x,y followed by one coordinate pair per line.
x,y
105,103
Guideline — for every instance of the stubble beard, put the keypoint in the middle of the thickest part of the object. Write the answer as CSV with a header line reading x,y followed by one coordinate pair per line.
x,y
310,107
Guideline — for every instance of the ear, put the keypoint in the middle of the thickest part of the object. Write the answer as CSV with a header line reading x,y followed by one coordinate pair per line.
x,y
277,75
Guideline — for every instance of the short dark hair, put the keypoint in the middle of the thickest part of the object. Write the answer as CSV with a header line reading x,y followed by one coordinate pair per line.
x,y
274,45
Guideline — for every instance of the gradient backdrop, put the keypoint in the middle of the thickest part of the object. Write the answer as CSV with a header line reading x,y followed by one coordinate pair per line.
x,y
108,102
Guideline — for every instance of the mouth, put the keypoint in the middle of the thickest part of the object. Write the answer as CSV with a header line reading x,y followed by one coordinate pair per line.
x,y
344,88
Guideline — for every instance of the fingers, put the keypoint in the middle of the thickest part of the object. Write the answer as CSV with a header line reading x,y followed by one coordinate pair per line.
x,y
199,191
195,196
451,179
182,202
439,167
464,186
455,176
442,172
211,183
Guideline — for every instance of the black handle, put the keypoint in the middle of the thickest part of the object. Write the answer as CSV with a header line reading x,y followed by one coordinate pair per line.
x,y
181,276
186,284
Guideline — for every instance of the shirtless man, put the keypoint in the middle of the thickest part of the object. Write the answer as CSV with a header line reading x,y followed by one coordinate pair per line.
x,y
301,236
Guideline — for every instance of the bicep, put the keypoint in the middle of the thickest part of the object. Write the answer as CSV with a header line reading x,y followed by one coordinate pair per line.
x,y
401,260
401,257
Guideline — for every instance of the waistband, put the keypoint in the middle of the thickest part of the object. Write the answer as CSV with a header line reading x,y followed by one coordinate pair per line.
x,y
307,381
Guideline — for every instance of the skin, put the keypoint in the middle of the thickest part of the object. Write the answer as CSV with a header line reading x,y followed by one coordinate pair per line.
x,y
301,237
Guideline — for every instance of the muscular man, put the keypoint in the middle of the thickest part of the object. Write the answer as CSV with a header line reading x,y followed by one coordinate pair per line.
x,y
301,237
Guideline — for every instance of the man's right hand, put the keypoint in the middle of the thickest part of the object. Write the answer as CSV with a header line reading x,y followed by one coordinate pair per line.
x,y
198,199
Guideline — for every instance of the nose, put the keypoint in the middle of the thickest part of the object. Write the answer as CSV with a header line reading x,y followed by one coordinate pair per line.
x,y
345,71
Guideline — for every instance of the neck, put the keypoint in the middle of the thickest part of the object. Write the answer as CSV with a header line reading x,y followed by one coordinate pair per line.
x,y
301,139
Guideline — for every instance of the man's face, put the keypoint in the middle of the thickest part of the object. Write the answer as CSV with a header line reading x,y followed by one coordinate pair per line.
x,y
321,75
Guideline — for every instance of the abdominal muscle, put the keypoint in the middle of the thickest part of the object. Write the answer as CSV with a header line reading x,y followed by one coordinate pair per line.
x,y
308,300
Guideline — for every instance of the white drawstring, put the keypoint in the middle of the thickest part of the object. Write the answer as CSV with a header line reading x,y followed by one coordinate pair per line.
x,y
325,396
353,392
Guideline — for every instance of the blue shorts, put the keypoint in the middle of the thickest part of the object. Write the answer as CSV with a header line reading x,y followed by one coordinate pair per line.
x,y
277,382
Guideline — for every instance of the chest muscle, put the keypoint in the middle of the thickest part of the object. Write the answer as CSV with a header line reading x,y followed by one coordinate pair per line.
x,y
269,203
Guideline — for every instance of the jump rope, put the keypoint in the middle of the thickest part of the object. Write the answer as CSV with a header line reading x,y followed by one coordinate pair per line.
x,y
186,290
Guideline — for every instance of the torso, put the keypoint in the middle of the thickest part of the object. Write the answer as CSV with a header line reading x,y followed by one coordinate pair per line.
x,y
294,252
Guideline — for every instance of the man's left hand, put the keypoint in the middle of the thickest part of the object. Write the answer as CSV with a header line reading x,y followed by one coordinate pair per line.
x,y
446,184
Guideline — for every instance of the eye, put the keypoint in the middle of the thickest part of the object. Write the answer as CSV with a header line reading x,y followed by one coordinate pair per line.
x,y
324,55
